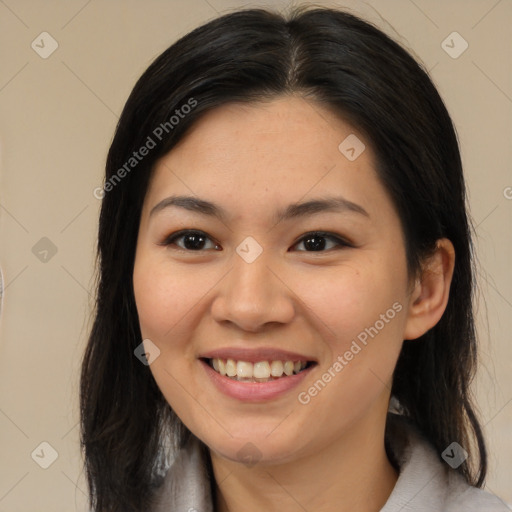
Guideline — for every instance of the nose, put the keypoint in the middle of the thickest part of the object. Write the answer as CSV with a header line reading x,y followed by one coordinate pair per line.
x,y
253,295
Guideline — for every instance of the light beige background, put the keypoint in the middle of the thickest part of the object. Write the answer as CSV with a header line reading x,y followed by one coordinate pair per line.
x,y
57,117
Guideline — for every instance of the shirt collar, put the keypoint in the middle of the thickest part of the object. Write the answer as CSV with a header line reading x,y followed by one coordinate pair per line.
x,y
421,485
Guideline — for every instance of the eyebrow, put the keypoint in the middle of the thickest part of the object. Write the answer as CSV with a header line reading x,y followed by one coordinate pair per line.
x,y
294,210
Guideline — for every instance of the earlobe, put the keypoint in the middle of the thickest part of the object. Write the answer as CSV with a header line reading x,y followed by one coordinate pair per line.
x,y
431,292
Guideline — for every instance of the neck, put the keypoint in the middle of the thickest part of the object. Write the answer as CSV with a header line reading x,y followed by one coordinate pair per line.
x,y
352,473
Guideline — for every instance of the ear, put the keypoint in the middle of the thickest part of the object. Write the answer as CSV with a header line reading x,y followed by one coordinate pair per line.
x,y
431,291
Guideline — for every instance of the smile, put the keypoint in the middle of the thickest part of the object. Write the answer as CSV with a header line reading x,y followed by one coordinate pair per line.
x,y
260,371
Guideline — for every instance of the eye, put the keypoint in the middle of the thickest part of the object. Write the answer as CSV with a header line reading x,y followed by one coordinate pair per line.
x,y
316,241
192,240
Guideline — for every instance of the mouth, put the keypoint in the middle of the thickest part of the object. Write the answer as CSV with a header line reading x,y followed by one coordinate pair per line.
x,y
258,371
256,375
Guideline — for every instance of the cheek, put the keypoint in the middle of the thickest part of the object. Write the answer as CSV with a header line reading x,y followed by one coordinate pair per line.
x,y
172,302
162,295
153,297
362,309
350,301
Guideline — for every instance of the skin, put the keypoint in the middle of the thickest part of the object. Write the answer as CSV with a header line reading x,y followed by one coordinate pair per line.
x,y
253,160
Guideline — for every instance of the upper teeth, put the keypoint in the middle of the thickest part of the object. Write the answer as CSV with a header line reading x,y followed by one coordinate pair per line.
x,y
261,370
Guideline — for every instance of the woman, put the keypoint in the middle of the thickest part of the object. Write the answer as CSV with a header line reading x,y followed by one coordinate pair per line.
x,y
284,248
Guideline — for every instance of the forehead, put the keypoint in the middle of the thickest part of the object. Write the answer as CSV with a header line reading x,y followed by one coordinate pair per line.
x,y
285,126
275,152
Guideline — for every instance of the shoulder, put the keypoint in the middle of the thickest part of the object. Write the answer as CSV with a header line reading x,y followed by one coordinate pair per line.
x,y
470,499
426,483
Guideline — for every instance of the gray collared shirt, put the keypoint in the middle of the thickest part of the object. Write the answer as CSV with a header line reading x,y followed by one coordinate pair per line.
x,y
425,483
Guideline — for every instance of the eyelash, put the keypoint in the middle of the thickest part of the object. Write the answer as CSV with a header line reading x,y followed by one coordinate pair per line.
x,y
316,234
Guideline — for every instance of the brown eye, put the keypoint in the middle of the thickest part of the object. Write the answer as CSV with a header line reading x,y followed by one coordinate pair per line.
x,y
191,240
318,242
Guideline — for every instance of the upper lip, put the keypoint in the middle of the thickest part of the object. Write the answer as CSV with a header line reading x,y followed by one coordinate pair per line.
x,y
252,355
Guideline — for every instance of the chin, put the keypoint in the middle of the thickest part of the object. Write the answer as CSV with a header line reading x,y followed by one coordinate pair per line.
x,y
255,447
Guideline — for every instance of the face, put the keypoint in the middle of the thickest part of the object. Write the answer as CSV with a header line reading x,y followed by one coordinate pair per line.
x,y
287,258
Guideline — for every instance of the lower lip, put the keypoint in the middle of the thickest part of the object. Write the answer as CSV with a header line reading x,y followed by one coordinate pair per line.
x,y
254,391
